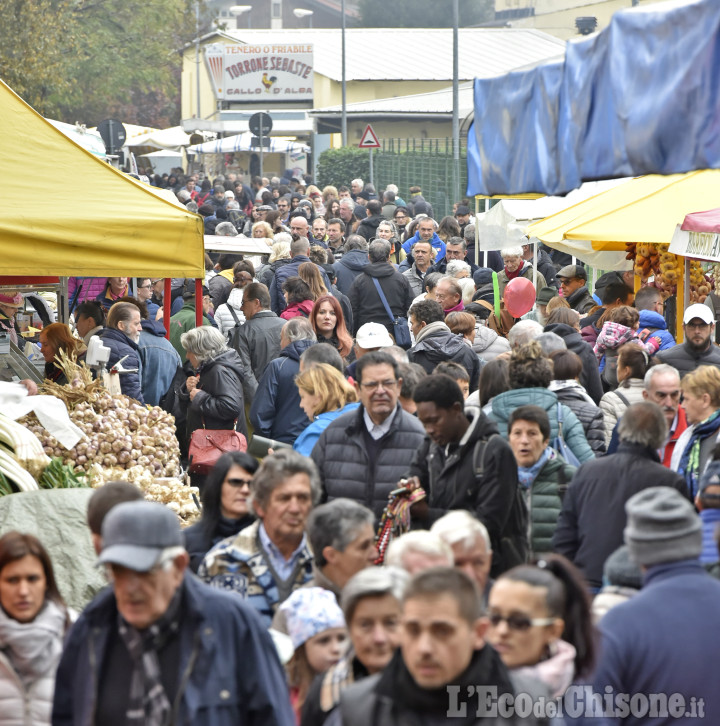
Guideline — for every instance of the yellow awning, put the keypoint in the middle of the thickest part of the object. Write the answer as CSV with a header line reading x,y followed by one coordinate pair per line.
x,y
645,209
65,212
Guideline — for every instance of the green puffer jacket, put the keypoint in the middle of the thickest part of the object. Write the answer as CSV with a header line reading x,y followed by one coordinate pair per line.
x,y
573,433
544,502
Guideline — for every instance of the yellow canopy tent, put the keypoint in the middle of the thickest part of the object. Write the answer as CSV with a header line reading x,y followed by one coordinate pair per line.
x,y
89,218
645,209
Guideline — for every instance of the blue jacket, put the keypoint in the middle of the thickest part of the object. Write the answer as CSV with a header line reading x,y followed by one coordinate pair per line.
x,y
651,319
275,412
710,519
436,242
228,671
662,641
308,438
277,299
120,346
348,268
160,361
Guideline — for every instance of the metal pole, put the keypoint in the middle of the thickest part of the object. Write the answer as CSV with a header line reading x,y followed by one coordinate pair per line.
x,y
343,127
371,169
455,96
197,58
261,148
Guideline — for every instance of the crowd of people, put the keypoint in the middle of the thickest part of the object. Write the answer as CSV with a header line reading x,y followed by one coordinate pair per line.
x,y
555,478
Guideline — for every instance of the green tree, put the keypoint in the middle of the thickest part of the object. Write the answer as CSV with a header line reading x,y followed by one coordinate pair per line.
x,y
339,166
422,13
38,43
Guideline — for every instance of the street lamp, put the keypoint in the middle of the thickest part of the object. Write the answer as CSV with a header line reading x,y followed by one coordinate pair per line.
x,y
238,10
303,13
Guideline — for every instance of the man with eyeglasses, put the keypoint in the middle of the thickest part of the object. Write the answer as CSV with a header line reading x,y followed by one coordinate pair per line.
x,y
283,205
160,647
401,218
364,453
698,348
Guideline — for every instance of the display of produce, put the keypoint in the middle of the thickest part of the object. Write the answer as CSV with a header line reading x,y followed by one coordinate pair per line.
x,y
22,458
656,261
120,432
60,476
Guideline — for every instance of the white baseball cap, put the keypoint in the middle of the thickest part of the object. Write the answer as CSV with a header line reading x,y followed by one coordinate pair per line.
x,y
699,310
373,335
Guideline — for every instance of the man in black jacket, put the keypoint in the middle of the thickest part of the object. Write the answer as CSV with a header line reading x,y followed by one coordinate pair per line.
x,y
368,227
366,304
698,348
591,523
352,263
464,464
435,343
573,281
443,672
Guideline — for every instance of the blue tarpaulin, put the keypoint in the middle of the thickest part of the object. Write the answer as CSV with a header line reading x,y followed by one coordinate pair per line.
x,y
640,97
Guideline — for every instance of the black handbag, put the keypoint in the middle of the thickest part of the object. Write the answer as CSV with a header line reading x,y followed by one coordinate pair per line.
x,y
401,329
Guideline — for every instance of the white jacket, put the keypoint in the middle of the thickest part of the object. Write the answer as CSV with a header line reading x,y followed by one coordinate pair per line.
x,y
223,316
31,705
613,407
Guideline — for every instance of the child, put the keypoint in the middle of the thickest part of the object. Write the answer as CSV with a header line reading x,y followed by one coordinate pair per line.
x,y
457,373
316,626
620,326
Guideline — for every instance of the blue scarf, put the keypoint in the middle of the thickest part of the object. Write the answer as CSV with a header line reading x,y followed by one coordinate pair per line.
x,y
689,466
527,475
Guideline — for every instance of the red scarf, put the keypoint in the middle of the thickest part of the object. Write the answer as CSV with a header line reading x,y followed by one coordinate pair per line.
x,y
513,275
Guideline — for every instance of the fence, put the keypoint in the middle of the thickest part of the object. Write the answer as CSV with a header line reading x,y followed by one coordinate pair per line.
x,y
427,163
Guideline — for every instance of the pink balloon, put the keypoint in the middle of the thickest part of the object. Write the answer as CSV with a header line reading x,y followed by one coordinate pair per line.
x,y
519,296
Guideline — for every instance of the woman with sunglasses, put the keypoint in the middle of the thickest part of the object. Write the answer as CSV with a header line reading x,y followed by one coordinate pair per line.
x,y
540,622
225,505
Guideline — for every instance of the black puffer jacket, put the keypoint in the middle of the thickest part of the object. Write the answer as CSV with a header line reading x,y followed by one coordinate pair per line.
x,y
368,227
686,359
121,346
440,344
590,376
365,300
220,401
346,469
495,499
573,395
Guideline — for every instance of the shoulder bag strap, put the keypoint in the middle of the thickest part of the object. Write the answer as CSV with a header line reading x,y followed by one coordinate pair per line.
x,y
232,312
622,398
384,300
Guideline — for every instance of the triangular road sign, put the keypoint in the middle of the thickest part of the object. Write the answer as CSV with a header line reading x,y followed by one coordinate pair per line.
x,y
369,140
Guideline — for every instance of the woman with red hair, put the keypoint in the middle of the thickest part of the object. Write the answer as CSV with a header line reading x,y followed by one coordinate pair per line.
x,y
329,324
54,338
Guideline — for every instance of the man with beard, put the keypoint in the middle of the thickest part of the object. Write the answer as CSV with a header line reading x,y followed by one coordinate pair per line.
x,y
698,348
122,335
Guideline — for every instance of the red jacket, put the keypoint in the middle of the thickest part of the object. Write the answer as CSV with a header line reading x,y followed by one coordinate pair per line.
x,y
679,425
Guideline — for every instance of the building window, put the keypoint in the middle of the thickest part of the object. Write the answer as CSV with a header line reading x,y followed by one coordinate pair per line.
x,y
276,9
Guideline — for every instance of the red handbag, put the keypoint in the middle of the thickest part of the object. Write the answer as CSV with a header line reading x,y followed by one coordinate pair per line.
x,y
208,445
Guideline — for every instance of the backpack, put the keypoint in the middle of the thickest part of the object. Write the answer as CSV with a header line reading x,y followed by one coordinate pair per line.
x,y
559,442
609,373
508,551
233,337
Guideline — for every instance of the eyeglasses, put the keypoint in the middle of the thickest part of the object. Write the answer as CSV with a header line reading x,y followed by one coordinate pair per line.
x,y
519,622
239,482
144,287
697,326
374,385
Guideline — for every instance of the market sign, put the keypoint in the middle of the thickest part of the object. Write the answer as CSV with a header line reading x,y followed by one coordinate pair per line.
x,y
261,73
699,245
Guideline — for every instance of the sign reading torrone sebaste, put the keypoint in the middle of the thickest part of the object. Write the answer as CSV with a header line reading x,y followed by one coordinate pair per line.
x,y
262,73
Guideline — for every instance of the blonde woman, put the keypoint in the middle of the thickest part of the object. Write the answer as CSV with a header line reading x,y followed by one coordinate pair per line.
x,y
325,394
309,273
262,230
279,256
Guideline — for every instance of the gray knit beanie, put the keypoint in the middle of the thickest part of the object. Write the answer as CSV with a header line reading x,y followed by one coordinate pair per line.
x,y
662,526
621,570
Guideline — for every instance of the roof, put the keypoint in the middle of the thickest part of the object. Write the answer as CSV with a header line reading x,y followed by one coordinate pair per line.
x,y
435,103
412,54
